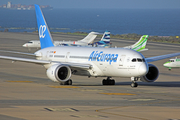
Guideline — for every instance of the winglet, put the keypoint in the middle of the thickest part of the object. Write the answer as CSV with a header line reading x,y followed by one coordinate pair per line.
x,y
44,34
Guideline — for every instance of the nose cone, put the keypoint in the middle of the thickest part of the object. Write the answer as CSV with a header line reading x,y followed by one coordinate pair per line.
x,y
25,45
166,64
143,69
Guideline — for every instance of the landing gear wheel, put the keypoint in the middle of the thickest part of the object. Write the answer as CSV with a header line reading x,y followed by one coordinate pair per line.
x,y
62,83
104,82
108,81
69,82
112,82
134,85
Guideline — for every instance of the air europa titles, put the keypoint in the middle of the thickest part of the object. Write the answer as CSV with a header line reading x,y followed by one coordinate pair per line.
x,y
103,57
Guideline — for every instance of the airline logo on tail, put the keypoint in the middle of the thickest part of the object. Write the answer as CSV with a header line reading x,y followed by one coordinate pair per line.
x,y
105,40
106,37
141,44
42,29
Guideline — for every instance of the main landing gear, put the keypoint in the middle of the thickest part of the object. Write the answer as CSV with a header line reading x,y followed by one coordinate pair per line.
x,y
134,79
108,81
69,82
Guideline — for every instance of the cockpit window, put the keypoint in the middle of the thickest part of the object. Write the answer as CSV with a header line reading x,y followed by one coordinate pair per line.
x,y
134,60
30,42
138,60
171,60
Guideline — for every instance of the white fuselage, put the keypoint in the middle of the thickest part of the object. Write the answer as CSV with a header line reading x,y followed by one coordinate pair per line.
x,y
173,63
105,62
32,43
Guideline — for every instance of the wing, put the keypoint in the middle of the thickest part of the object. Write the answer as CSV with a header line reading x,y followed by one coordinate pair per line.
x,y
156,58
72,65
77,66
22,53
25,60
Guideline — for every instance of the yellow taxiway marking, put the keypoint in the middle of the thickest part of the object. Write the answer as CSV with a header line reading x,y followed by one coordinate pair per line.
x,y
64,87
21,81
117,93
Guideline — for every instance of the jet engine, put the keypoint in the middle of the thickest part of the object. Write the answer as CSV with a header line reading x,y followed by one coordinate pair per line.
x,y
152,74
59,73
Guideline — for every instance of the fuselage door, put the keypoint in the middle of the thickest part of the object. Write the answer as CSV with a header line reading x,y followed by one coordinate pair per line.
x,y
121,60
49,55
67,57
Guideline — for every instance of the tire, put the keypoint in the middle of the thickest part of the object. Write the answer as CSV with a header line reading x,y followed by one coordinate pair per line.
x,y
104,82
113,82
134,85
69,82
62,83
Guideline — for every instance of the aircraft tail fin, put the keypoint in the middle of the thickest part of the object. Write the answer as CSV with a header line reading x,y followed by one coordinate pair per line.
x,y
106,37
44,34
90,37
104,42
139,45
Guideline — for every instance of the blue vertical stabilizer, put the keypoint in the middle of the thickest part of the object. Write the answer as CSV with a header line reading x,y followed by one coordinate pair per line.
x,y
44,34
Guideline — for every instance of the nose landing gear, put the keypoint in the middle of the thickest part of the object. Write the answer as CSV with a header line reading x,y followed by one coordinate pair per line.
x,y
134,79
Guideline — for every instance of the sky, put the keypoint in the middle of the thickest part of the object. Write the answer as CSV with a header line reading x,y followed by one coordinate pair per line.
x,y
105,4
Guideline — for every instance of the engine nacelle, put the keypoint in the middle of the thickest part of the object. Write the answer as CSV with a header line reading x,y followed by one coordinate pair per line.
x,y
59,73
152,74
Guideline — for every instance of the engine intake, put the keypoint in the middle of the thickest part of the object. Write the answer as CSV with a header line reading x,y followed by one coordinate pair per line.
x,y
152,74
59,73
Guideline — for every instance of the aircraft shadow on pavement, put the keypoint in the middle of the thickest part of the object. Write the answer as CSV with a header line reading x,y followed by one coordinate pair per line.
x,y
158,84
171,74
47,81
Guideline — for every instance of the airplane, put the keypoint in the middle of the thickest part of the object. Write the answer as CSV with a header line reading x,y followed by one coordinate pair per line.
x,y
85,41
63,61
172,63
